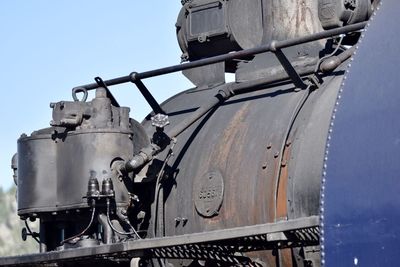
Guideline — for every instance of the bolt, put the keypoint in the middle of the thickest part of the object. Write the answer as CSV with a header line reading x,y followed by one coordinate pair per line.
x,y
276,154
269,146
177,221
284,163
264,166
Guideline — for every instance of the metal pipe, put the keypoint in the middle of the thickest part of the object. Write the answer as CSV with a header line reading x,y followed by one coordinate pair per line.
x,y
147,153
42,238
227,91
272,46
331,63
107,231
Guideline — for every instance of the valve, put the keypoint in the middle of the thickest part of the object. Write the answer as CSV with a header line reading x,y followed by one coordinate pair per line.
x,y
25,233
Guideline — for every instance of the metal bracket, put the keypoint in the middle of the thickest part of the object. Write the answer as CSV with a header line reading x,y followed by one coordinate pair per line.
x,y
101,83
315,80
146,93
293,75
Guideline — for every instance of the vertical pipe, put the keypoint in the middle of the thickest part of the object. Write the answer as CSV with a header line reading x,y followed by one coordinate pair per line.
x,y
107,231
42,238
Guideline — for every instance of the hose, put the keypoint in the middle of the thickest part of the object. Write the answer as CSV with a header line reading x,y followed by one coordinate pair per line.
x,y
133,232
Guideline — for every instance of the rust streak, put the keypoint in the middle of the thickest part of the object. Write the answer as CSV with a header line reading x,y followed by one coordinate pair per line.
x,y
224,157
281,201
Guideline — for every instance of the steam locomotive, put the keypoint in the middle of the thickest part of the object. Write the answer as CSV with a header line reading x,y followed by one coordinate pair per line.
x,y
295,163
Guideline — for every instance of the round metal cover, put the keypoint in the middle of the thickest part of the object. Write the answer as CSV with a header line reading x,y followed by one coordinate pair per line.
x,y
209,193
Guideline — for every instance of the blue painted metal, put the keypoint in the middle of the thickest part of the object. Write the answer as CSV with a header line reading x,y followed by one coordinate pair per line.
x,y
361,199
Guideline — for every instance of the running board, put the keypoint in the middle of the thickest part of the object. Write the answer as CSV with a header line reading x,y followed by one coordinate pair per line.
x,y
222,245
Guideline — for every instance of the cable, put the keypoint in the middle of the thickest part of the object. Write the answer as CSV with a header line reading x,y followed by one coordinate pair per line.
x,y
115,230
87,228
331,54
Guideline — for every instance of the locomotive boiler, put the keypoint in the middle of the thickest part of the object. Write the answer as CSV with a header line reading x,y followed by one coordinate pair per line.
x,y
292,164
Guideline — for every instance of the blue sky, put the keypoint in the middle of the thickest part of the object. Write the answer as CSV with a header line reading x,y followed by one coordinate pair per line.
x,y
48,47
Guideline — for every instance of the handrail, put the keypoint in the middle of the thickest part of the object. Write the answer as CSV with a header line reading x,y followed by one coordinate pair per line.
x,y
271,47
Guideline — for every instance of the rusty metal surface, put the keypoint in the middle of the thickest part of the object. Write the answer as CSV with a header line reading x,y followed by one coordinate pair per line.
x,y
243,139
266,171
226,143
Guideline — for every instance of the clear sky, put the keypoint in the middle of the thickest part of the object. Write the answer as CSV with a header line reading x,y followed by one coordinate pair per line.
x,y
49,47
